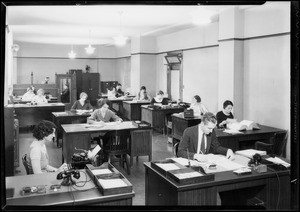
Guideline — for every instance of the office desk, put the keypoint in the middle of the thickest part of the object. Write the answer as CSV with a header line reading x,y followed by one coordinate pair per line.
x,y
234,190
247,139
67,117
33,114
79,136
179,124
87,195
132,109
117,104
157,117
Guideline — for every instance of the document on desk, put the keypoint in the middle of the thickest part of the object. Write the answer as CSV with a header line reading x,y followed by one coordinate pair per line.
x,y
188,175
60,113
168,166
185,162
112,183
101,171
250,152
232,131
277,160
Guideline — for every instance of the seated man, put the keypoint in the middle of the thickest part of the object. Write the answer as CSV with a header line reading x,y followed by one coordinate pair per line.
x,y
201,139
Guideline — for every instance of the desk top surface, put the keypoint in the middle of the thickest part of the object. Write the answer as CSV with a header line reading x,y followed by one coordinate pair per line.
x,y
59,104
70,114
167,108
108,126
137,102
224,177
180,115
88,193
263,129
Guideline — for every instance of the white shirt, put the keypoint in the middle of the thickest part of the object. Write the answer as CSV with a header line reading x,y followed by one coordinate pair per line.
x,y
38,151
198,108
200,133
39,99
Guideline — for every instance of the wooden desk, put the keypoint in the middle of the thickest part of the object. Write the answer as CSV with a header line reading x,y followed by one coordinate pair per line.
x,y
179,124
248,138
79,136
33,114
87,195
67,117
234,190
156,117
132,109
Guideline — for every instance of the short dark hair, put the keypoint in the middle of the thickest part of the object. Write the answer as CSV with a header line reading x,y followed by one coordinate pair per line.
x,y
160,92
119,84
198,99
226,103
209,117
102,102
143,88
43,129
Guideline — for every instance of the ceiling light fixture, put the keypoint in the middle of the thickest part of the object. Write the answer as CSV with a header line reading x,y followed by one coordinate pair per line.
x,y
90,49
72,54
120,39
202,16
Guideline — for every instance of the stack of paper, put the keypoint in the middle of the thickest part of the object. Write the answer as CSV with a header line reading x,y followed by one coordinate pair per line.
x,y
277,160
250,152
167,166
101,171
112,183
188,175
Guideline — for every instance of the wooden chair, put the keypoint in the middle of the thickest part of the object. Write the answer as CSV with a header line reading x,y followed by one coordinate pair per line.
x,y
168,123
175,149
277,145
27,164
116,146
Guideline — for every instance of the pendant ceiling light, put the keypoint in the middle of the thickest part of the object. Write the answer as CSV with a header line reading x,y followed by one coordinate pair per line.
x,y
90,49
72,54
203,16
120,39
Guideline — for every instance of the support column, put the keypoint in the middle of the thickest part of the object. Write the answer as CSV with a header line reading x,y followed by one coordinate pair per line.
x,y
231,60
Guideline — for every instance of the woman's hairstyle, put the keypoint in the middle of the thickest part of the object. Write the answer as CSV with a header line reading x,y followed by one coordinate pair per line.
x,y
29,89
102,102
160,92
43,129
198,99
40,90
119,84
209,117
226,103
143,88
82,94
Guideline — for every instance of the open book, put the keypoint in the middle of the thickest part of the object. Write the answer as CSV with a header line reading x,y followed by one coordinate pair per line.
x,y
243,125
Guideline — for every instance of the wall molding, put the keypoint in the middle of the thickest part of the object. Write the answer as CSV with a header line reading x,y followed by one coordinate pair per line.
x,y
78,58
255,37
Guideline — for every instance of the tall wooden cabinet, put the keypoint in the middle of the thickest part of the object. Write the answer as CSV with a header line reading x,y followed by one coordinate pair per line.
x,y
91,86
11,150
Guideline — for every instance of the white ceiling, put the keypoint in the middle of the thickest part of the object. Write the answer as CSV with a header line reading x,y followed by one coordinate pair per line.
x,y
72,24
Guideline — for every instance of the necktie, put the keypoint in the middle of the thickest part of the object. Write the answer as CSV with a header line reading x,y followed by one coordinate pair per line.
x,y
202,148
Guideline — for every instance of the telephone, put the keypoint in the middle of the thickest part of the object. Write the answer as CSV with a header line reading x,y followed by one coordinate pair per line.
x,y
255,161
67,177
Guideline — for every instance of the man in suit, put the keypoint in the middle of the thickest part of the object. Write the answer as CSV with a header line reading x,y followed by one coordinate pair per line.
x,y
199,140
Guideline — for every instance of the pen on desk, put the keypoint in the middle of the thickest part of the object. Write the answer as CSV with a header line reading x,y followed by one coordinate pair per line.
x,y
229,157
187,150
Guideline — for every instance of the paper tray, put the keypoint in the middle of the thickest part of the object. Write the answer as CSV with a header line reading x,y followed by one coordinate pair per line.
x,y
125,185
141,124
189,176
155,165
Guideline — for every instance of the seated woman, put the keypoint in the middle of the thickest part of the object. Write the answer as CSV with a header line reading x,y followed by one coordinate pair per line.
x,y
119,91
142,95
82,103
111,93
40,97
225,116
43,132
103,114
159,99
28,96
197,106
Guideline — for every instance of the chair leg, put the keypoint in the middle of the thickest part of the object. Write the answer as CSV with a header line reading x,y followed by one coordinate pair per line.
x,y
127,164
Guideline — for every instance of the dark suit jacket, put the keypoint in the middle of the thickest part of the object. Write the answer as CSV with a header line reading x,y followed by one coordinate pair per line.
x,y
190,141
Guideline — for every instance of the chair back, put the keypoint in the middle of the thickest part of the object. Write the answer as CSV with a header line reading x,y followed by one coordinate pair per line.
x,y
280,143
116,142
175,149
27,164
